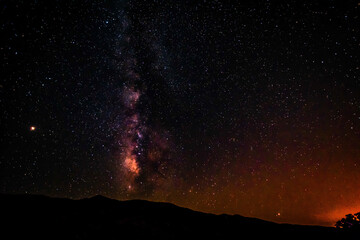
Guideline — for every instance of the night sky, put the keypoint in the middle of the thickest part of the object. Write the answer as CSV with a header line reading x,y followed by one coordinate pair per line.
x,y
249,108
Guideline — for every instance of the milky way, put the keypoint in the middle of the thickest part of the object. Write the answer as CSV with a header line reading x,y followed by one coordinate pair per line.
x,y
143,148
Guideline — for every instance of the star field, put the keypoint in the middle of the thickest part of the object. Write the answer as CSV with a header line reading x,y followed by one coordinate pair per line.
x,y
249,108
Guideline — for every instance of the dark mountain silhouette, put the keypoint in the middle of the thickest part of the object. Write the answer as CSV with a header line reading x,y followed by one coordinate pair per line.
x,y
41,217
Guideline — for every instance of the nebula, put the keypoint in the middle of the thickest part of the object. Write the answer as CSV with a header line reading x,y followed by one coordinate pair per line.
x,y
131,165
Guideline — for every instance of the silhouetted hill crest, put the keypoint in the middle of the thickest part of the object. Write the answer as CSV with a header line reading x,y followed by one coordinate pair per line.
x,y
99,217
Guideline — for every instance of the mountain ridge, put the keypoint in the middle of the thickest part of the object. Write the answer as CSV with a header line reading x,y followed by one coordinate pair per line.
x,y
101,217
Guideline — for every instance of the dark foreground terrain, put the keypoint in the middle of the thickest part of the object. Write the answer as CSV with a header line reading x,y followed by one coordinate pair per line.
x,y
40,217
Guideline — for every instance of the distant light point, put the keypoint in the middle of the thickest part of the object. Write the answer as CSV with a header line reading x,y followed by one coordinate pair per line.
x,y
32,128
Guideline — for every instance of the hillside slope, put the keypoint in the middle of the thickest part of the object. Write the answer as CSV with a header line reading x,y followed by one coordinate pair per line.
x,y
103,218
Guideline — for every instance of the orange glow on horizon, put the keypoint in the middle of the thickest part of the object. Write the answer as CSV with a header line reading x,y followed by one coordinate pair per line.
x,y
338,213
